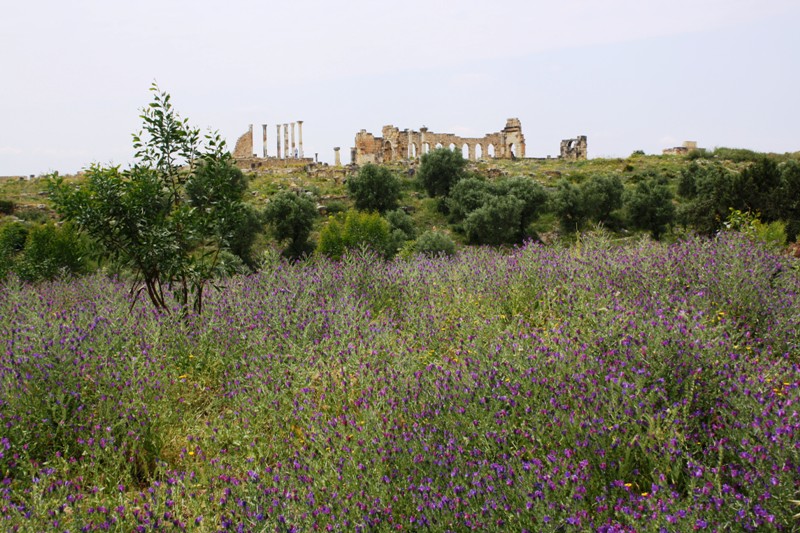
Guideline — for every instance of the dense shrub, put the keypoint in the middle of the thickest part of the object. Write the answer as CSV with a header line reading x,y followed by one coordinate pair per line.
x,y
291,218
356,230
497,222
649,206
434,243
52,251
440,170
374,188
569,207
6,207
601,196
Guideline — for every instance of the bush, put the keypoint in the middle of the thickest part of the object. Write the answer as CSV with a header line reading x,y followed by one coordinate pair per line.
x,y
602,195
772,234
531,194
497,222
374,188
51,252
650,207
468,195
6,207
433,243
569,207
440,170
291,218
400,220
355,230
713,195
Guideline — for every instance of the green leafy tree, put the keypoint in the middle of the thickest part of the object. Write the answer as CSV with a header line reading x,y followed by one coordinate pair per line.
x,y
172,217
569,206
497,222
711,190
374,188
467,195
291,217
790,198
650,206
602,195
440,170
355,230
531,194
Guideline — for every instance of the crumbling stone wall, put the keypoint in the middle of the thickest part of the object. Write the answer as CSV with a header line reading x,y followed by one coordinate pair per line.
x,y
244,145
397,145
684,149
574,149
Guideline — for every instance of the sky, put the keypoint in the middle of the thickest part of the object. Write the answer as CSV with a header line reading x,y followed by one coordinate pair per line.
x,y
628,74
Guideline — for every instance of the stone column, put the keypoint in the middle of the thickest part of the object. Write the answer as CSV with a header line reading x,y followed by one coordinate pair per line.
x,y
278,139
264,126
300,136
337,159
294,150
286,154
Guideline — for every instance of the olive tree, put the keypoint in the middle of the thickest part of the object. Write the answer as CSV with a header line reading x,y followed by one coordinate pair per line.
x,y
374,188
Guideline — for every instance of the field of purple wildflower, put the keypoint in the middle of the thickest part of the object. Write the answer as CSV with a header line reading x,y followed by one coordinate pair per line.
x,y
648,387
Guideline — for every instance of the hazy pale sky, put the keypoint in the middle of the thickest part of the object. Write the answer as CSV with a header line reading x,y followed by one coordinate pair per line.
x,y
629,74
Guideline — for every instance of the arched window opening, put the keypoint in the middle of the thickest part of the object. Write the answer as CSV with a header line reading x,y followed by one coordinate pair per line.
x,y
465,151
438,146
426,148
478,151
413,150
452,147
490,150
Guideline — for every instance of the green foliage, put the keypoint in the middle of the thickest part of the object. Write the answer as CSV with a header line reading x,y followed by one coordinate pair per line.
x,y
433,243
569,207
757,189
497,222
6,207
496,213
401,227
291,217
374,188
468,195
531,194
440,170
711,189
649,206
52,251
13,237
355,230
171,215
602,195
773,234
400,220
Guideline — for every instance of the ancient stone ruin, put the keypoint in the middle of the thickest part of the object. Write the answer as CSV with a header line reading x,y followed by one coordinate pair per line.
x,y
684,149
286,152
396,145
574,149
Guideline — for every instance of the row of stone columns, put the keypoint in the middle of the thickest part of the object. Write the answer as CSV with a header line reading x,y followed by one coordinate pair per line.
x,y
288,151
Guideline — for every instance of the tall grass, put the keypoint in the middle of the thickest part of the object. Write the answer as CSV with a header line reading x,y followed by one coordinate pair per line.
x,y
638,388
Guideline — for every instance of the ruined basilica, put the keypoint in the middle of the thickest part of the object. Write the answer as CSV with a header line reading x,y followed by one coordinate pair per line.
x,y
396,145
